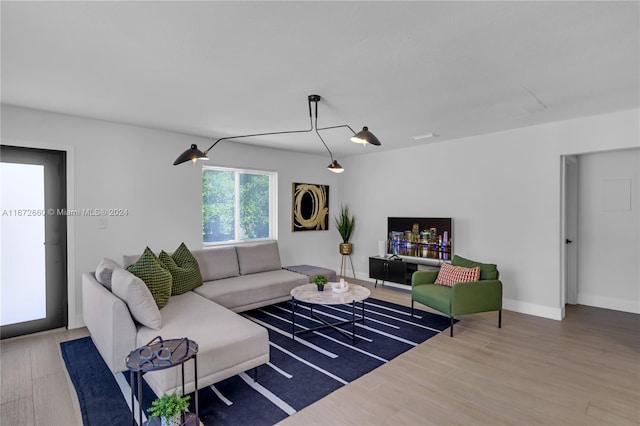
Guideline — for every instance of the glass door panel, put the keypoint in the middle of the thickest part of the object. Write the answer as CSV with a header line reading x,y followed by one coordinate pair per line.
x,y
23,278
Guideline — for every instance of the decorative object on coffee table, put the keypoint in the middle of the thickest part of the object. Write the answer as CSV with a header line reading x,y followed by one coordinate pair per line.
x,y
345,223
320,280
160,354
340,287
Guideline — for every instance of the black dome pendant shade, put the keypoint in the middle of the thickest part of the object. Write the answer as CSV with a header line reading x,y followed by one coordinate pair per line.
x,y
192,154
335,167
365,136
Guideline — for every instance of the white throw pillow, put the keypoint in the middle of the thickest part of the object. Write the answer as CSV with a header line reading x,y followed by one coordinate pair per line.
x,y
105,270
135,293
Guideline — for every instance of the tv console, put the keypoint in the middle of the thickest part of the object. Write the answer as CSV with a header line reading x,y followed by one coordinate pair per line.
x,y
396,269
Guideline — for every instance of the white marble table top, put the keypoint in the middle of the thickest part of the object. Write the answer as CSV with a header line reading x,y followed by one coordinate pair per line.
x,y
309,293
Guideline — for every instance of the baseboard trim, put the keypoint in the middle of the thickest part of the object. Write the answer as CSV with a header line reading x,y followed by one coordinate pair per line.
x,y
533,309
631,306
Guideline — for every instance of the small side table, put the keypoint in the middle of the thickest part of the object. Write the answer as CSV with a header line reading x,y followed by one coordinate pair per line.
x,y
160,354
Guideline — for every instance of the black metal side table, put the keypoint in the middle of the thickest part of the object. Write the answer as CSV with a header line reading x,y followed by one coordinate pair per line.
x,y
160,354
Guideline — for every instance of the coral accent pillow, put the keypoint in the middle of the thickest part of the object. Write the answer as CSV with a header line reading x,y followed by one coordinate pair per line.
x,y
449,275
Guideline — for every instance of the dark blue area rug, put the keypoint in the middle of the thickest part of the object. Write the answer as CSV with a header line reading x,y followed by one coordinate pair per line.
x,y
300,371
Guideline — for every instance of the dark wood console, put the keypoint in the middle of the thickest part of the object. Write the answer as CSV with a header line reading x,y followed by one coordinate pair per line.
x,y
396,271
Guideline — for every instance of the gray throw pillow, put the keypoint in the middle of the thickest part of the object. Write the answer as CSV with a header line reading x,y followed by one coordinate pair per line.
x,y
217,263
105,270
254,258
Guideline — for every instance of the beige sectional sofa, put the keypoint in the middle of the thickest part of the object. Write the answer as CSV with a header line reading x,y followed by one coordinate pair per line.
x,y
235,279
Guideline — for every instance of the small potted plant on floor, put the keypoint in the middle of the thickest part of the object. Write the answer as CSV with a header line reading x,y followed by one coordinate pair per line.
x,y
320,280
169,408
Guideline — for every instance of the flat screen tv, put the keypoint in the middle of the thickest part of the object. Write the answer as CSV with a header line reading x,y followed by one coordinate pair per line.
x,y
420,237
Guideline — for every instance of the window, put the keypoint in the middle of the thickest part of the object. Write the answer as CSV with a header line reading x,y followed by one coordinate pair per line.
x,y
238,205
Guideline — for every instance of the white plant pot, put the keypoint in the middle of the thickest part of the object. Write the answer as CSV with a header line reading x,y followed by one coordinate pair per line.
x,y
173,421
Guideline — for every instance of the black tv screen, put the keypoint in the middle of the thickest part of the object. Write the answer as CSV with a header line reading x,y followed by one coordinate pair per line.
x,y
422,237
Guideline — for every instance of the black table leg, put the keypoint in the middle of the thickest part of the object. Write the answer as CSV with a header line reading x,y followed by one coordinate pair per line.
x,y
293,318
182,379
183,415
195,378
353,321
139,398
133,410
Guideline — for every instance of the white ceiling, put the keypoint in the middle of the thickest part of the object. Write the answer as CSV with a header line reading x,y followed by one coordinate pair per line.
x,y
404,69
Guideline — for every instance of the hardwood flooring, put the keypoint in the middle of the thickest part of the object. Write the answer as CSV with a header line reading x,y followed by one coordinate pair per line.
x,y
35,387
584,370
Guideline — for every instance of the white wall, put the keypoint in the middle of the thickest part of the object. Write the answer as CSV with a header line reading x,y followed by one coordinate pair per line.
x,y
121,166
609,230
502,189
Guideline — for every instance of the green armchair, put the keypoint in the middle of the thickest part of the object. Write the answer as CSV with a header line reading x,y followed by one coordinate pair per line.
x,y
484,295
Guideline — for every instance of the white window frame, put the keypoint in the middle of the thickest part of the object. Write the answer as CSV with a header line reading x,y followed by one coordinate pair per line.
x,y
273,204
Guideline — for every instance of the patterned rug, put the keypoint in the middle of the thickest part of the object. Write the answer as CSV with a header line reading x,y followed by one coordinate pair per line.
x,y
300,371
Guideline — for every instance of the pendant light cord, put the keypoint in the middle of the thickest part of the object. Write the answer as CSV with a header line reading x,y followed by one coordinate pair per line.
x,y
315,125
311,128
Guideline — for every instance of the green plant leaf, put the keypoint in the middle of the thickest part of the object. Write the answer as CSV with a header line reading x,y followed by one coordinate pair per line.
x,y
319,279
168,406
345,223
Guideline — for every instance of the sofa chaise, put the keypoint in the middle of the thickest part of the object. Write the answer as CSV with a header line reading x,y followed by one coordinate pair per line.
x,y
235,279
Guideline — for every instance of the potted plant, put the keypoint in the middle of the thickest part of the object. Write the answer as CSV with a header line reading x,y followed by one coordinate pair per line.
x,y
345,224
320,280
169,408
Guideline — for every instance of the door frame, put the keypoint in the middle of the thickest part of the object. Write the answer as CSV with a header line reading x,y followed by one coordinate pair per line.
x,y
73,320
568,230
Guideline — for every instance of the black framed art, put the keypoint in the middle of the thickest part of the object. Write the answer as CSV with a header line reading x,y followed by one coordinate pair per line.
x,y
310,210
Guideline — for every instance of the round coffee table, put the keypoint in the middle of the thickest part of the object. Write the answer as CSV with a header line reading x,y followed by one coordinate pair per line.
x,y
308,294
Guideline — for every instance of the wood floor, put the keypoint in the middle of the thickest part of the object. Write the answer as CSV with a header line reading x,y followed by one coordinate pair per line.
x,y
584,370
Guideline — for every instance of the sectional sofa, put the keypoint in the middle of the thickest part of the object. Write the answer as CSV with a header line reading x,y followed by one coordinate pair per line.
x,y
235,279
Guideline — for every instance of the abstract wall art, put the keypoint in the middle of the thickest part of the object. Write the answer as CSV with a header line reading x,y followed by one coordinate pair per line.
x,y
310,207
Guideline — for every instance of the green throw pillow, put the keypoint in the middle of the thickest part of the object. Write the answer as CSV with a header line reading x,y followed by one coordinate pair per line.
x,y
184,269
488,271
150,270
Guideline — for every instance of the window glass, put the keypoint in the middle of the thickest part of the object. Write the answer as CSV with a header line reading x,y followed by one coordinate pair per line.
x,y
237,205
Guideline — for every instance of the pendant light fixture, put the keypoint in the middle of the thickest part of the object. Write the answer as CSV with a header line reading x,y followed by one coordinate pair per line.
x,y
365,136
192,154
